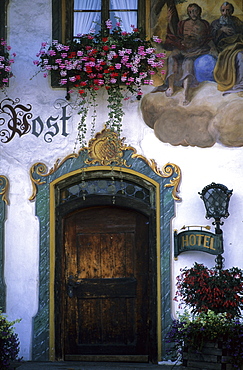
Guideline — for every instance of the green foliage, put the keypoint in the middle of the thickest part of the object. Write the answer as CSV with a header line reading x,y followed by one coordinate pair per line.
x,y
195,330
9,342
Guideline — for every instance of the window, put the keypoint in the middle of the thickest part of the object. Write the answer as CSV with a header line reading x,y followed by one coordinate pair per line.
x,y
91,14
74,17
3,19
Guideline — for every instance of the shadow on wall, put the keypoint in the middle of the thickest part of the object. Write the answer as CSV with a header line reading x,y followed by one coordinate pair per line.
x,y
209,118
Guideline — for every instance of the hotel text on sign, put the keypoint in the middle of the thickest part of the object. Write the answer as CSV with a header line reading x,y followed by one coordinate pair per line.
x,y
198,240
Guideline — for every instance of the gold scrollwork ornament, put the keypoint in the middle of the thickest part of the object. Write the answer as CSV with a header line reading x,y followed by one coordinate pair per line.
x,y
4,188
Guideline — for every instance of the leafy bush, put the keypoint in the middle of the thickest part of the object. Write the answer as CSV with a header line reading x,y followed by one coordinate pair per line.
x,y
9,342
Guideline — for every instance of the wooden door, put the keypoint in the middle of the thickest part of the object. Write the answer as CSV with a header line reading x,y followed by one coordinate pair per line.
x,y
106,283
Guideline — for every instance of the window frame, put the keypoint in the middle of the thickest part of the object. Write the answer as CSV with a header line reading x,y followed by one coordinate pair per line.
x,y
62,23
3,19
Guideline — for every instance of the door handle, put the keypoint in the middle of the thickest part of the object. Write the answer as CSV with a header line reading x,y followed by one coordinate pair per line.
x,y
73,282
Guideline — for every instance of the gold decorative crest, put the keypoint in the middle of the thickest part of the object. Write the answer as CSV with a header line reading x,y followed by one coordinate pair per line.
x,y
106,148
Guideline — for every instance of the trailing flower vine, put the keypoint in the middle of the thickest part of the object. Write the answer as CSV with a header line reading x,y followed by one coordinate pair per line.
x,y
6,61
116,60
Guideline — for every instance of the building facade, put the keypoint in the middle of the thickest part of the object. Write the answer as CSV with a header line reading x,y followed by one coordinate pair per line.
x,y
89,232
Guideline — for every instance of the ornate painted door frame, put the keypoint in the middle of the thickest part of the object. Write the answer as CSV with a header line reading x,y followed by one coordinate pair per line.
x,y
105,153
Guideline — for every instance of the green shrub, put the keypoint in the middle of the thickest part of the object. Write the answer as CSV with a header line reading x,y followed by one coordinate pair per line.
x,y
9,342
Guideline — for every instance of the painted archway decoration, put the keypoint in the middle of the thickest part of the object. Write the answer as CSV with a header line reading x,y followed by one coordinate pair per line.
x,y
106,149
4,187
105,152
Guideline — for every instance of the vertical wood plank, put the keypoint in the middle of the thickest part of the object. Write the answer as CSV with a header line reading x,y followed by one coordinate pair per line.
x,y
107,243
88,256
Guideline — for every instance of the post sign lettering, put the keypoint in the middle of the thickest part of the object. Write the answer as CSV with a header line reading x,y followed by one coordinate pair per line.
x,y
198,240
15,120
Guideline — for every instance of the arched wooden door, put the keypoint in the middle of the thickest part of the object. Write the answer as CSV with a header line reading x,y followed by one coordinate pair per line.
x,y
105,284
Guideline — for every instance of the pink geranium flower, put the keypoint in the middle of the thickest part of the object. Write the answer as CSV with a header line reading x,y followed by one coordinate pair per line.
x,y
119,61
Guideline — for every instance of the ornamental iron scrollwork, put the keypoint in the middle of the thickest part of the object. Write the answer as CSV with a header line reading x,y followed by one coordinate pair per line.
x,y
14,119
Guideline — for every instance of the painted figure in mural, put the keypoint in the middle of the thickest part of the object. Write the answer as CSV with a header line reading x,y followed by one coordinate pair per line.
x,y
227,33
157,6
187,40
190,41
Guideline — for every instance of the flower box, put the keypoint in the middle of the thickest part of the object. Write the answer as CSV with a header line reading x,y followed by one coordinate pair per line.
x,y
121,62
210,336
214,355
5,63
15,364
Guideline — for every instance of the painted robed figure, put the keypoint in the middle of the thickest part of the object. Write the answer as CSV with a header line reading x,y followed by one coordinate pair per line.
x,y
227,33
199,51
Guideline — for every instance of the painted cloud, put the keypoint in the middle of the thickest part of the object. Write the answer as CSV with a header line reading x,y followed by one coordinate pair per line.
x,y
210,117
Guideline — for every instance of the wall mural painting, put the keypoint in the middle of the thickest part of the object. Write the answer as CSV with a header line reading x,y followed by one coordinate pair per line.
x,y
199,103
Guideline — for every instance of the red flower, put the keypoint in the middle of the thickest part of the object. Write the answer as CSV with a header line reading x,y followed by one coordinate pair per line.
x,y
93,51
72,54
89,69
205,289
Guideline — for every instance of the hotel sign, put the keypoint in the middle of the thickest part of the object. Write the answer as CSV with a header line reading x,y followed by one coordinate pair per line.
x,y
198,240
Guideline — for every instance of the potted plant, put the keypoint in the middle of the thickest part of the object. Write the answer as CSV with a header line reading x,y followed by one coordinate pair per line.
x,y
210,331
121,62
5,63
9,344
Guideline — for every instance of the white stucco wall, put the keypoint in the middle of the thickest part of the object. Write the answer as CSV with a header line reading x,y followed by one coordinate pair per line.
x,y
29,24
